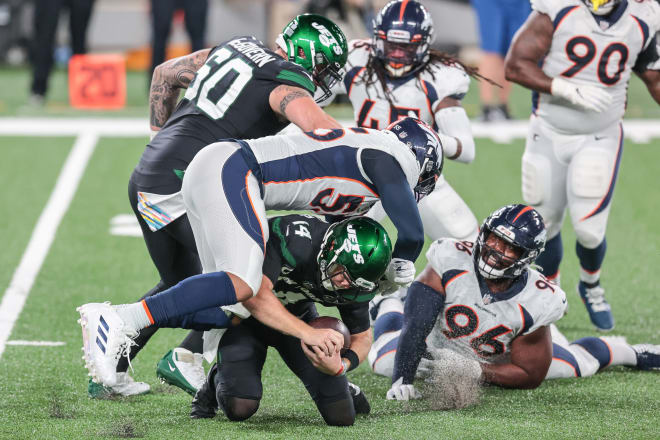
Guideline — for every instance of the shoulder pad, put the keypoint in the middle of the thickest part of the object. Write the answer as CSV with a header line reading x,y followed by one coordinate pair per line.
x,y
552,7
448,253
450,81
546,302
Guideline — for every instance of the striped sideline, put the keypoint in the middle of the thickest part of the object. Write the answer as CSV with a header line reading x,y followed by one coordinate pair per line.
x,y
637,130
43,234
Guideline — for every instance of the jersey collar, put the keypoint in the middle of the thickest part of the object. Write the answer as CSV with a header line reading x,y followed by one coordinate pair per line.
x,y
489,297
607,21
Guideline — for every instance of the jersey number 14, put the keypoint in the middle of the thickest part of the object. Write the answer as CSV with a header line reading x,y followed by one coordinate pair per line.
x,y
215,89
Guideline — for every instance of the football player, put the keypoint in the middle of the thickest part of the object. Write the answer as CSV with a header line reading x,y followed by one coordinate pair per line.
x,y
227,189
307,261
238,89
395,75
577,57
487,312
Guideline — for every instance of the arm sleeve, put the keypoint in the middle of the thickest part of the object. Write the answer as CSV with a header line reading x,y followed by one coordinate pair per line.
x,y
422,307
398,201
454,122
649,59
356,317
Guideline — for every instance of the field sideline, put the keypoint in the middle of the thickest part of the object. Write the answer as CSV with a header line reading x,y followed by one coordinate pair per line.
x,y
43,391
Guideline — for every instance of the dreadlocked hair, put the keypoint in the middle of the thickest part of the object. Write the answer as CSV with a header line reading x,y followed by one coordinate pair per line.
x,y
375,71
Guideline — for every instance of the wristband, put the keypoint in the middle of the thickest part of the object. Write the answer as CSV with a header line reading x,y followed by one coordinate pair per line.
x,y
353,358
342,369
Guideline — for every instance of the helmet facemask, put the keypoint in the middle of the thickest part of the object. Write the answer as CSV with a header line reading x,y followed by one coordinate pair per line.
x,y
493,264
319,46
350,269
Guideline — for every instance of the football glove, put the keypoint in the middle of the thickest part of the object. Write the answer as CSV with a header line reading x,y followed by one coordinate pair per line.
x,y
588,97
400,271
401,391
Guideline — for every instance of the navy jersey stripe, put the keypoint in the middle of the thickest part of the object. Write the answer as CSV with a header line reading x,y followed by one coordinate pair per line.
x,y
451,275
562,14
527,319
387,348
339,162
561,354
644,28
389,322
608,197
350,77
234,182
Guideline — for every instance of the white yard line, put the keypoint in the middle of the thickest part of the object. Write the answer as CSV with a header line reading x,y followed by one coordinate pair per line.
x,y
37,343
638,130
44,232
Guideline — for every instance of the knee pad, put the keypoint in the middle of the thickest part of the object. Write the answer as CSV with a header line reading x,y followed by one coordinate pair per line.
x,y
338,413
535,178
445,214
238,409
382,353
590,234
590,173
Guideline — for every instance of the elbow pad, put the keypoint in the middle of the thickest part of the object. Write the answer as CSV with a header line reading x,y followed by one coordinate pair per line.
x,y
453,122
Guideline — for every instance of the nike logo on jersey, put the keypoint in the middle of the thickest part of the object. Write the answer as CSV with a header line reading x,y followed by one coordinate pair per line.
x,y
535,137
599,138
170,365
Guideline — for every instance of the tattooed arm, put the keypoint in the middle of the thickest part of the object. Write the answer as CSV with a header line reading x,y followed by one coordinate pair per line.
x,y
298,106
168,79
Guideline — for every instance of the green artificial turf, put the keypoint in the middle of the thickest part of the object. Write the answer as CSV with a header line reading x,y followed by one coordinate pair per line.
x,y
43,389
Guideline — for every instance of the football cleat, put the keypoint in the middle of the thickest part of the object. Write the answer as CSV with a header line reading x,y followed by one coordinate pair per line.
x,y
125,387
360,402
205,402
599,310
105,340
183,369
648,356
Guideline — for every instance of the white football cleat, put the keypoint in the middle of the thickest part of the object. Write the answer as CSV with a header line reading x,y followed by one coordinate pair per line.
x,y
125,387
105,340
182,368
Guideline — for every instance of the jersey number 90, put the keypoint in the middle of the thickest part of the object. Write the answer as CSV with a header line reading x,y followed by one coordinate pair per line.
x,y
581,50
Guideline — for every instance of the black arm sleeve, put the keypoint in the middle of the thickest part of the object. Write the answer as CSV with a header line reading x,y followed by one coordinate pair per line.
x,y
422,307
398,201
649,56
356,317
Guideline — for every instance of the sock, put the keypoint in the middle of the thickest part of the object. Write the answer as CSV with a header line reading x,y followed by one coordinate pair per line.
x,y
590,261
550,258
191,295
135,315
194,341
622,352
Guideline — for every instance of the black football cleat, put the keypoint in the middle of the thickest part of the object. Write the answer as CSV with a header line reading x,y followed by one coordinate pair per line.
x,y
360,402
205,404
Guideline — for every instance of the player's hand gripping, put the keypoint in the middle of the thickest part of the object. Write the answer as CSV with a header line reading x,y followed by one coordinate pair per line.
x,y
586,96
330,365
400,271
328,340
401,391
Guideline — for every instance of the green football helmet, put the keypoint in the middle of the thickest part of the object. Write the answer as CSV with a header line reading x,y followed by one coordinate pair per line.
x,y
354,256
319,46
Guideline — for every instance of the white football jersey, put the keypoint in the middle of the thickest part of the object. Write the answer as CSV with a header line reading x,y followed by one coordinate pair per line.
x,y
415,95
586,52
322,170
477,323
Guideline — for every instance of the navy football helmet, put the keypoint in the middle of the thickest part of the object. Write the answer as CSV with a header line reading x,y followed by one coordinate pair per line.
x,y
403,31
520,225
425,144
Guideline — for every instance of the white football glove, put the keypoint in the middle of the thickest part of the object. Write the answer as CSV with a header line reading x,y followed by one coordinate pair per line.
x,y
586,96
400,271
399,391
